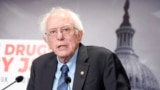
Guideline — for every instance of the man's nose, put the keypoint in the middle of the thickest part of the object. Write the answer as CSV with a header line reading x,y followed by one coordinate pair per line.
x,y
60,35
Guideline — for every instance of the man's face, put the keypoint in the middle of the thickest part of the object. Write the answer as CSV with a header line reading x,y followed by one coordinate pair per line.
x,y
62,37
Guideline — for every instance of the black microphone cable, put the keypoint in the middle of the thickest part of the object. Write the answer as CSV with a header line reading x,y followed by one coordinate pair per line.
x,y
18,79
68,81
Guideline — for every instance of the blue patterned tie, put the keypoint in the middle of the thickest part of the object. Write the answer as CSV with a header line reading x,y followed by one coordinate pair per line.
x,y
62,85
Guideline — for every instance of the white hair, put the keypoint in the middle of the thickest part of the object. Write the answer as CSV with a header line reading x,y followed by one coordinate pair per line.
x,y
74,16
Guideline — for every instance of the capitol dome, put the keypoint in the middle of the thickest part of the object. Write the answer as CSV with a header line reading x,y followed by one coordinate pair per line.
x,y
140,76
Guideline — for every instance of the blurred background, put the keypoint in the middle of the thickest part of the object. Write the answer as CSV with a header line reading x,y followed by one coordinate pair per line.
x,y
19,21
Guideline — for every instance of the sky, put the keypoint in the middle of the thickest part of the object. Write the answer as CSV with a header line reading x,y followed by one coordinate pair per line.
x,y
19,19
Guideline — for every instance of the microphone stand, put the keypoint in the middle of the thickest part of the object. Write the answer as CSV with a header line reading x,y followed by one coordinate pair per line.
x,y
9,85
68,81
18,79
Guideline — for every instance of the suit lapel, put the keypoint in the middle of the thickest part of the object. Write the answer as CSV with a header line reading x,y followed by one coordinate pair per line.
x,y
49,72
81,68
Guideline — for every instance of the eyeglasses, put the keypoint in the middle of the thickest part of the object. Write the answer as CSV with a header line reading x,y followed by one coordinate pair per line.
x,y
63,30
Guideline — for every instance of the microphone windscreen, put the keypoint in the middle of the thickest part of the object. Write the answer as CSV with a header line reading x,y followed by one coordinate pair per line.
x,y
68,79
19,78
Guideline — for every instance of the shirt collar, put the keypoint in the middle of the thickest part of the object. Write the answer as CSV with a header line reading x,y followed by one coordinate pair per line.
x,y
70,62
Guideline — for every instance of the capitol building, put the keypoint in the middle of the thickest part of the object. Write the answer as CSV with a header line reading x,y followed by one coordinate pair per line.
x,y
140,76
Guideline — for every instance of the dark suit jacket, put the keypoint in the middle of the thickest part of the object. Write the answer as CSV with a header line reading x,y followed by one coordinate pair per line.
x,y
102,71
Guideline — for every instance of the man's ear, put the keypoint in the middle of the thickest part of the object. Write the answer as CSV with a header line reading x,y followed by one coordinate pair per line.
x,y
45,39
79,35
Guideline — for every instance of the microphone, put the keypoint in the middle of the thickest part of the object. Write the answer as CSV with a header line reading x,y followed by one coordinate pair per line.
x,y
18,79
68,81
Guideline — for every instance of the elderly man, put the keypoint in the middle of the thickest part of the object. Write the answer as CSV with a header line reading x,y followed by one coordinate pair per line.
x,y
72,65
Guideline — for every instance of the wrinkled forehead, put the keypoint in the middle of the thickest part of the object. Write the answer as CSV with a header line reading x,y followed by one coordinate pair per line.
x,y
59,18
